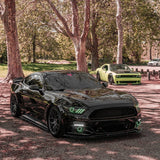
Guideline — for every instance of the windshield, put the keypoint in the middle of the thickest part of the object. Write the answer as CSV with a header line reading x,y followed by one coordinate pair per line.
x,y
119,67
155,59
70,80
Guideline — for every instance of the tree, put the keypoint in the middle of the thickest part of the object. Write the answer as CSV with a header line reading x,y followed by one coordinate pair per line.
x,y
120,32
141,27
101,41
78,37
8,13
92,39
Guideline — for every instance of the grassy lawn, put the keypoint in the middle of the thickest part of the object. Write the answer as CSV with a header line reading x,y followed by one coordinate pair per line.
x,y
3,70
35,67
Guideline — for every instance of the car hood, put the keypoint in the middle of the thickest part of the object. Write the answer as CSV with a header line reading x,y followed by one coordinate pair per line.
x,y
94,97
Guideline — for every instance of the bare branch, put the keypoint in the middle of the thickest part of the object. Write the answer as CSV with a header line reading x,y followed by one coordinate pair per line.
x,y
58,28
75,18
86,20
61,18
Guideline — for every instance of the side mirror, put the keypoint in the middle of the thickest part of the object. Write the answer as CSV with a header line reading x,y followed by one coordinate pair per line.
x,y
105,84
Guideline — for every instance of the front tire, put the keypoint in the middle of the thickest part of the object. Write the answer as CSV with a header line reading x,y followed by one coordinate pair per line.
x,y
14,107
110,79
98,76
55,122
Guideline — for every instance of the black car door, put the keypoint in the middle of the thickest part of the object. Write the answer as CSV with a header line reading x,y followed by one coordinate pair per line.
x,y
33,96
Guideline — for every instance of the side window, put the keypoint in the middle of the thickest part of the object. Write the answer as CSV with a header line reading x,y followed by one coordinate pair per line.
x,y
105,68
27,80
34,80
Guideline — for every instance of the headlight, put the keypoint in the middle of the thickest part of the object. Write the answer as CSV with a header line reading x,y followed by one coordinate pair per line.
x,y
118,76
75,109
138,76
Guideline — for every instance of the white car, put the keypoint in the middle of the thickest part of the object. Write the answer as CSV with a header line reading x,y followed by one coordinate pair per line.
x,y
154,62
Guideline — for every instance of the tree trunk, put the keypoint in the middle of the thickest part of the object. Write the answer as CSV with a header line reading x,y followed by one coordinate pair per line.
x,y
34,47
79,39
120,32
13,55
94,52
80,48
94,60
150,50
29,56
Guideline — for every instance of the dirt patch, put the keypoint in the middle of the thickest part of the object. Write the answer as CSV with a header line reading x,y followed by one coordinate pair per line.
x,y
20,140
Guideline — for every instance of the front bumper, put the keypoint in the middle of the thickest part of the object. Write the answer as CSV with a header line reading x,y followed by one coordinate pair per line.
x,y
127,80
105,127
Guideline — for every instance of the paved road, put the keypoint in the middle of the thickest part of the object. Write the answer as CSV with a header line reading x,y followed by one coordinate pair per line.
x,y
20,140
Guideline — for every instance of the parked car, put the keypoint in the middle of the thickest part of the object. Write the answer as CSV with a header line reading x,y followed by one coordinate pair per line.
x,y
118,74
75,103
154,62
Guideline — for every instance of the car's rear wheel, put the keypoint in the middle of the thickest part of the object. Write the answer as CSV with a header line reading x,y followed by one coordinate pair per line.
x,y
110,79
98,76
14,107
55,122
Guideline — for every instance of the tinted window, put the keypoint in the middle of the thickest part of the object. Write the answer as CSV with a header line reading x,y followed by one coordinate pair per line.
x,y
118,67
34,80
155,59
105,68
74,80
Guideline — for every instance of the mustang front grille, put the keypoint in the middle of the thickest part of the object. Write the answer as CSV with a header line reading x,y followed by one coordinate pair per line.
x,y
114,112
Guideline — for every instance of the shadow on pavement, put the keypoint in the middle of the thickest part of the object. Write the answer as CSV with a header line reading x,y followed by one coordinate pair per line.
x,y
21,140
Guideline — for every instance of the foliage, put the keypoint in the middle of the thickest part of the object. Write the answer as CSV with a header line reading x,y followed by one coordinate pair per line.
x,y
3,47
35,35
3,52
141,24
37,29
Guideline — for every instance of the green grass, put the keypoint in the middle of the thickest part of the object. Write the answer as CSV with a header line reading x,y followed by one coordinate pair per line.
x,y
36,67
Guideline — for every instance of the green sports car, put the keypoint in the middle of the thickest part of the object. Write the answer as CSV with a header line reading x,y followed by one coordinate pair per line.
x,y
118,74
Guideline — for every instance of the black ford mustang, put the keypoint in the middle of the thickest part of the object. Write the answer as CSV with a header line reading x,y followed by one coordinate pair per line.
x,y
73,102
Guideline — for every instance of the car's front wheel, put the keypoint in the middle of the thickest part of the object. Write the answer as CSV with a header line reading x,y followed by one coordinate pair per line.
x,y
55,122
98,76
110,79
14,107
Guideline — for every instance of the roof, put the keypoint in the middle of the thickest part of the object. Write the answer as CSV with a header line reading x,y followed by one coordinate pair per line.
x,y
57,71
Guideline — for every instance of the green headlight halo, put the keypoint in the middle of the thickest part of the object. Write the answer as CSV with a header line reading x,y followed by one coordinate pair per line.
x,y
76,110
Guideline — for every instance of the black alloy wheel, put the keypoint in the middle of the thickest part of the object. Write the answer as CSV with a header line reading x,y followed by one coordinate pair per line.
x,y
110,79
98,76
14,107
55,122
